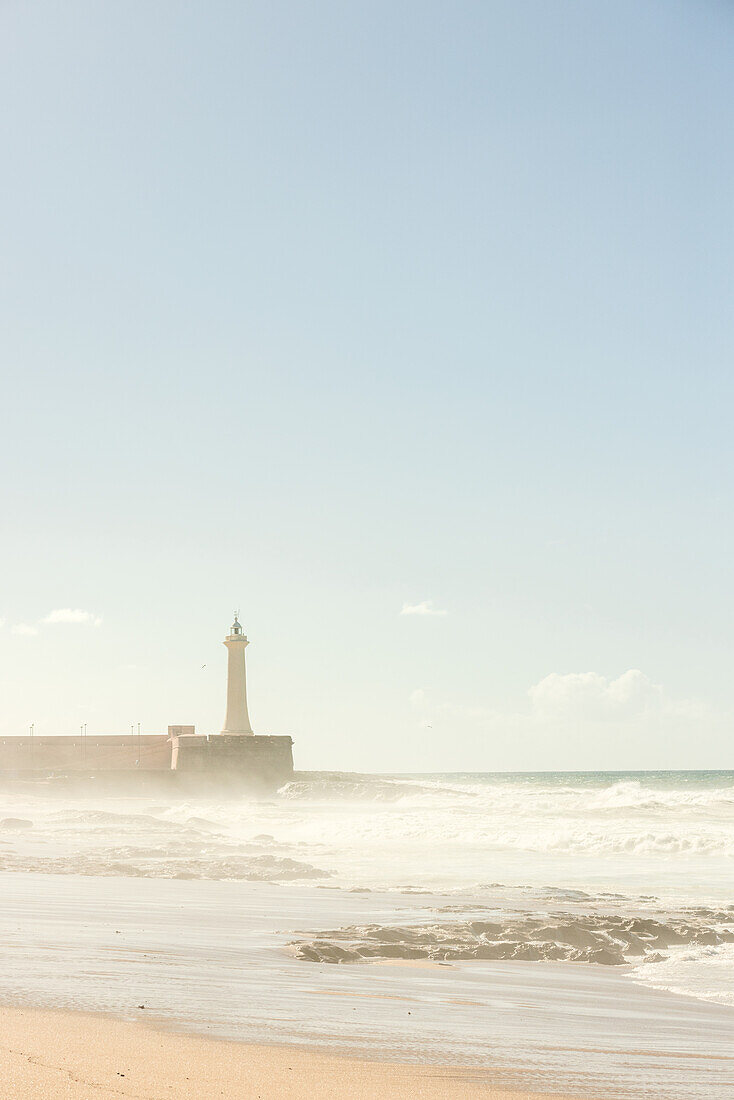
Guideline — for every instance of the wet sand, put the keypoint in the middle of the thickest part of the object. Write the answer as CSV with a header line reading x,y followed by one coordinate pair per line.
x,y
73,1056
211,959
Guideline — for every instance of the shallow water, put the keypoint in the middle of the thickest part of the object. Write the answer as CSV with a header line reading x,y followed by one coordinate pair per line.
x,y
502,876
210,957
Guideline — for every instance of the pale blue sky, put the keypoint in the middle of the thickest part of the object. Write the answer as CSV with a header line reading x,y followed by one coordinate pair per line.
x,y
325,308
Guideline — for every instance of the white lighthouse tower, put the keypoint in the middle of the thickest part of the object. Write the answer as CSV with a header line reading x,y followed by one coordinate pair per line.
x,y
237,720
236,759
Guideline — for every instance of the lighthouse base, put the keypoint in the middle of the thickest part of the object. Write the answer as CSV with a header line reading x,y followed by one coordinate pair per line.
x,y
230,761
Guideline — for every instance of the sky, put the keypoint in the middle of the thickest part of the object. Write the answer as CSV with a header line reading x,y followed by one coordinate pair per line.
x,y
406,329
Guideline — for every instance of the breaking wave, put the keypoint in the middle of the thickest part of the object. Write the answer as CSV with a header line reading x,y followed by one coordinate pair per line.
x,y
704,971
595,792
130,862
625,868
343,786
628,842
107,822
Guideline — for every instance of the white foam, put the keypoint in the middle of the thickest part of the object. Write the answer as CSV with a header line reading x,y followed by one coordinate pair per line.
x,y
703,972
585,841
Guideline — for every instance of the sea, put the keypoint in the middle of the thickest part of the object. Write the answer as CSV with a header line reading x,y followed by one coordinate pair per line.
x,y
578,925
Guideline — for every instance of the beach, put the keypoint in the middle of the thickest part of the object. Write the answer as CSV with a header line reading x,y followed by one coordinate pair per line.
x,y
365,637
360,928
72,1056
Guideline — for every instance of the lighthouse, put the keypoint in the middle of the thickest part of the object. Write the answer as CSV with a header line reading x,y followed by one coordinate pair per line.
x,y
237,721
235,759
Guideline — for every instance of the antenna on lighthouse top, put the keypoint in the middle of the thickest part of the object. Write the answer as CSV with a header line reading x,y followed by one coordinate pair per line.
x,y
236,628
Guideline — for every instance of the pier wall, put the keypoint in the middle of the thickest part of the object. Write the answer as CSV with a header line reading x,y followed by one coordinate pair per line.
x,y
254,760
98,752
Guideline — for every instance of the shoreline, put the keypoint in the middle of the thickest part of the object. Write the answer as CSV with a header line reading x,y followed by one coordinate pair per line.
x,y
59,1054
81,954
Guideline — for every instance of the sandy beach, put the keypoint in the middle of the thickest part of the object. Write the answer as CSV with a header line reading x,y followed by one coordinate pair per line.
x,y
73,1056
224,920
366,471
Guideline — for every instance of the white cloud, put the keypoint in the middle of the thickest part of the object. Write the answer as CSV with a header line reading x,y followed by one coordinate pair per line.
x,y
562,700
425,608
72,615
573,720
24,629
594,697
